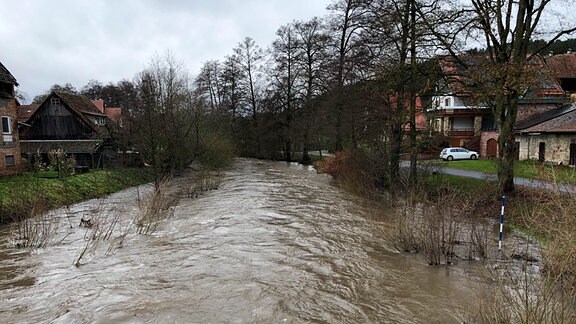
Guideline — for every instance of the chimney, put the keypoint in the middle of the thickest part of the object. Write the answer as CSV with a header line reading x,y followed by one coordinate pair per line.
x,y
99,104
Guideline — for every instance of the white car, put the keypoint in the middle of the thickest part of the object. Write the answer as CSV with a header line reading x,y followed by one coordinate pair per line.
x,y
458,153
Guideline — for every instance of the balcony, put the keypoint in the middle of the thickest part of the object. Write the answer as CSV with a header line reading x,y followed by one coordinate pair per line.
x,y
461,132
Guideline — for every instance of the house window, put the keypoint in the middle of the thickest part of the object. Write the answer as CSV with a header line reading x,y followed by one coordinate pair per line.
x,y
10,160
6,125
447,102
55,101
100,121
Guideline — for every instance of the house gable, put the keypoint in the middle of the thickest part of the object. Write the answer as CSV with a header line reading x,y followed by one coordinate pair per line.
x,y
63,116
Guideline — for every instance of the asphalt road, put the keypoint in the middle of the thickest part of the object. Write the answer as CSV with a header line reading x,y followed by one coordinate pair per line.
x,y
492,177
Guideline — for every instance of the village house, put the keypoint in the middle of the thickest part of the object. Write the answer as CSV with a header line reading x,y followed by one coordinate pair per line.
x,y
10,162
455,112
68,122
550,135
114,113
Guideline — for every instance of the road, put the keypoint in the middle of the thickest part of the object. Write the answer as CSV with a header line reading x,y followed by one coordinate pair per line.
x,y
492,177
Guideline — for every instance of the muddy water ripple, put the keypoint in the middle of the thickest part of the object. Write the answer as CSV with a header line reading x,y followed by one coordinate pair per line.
x,y
276,243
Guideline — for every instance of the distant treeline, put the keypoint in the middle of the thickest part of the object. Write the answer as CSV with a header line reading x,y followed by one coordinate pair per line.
x,y
558,47
539,45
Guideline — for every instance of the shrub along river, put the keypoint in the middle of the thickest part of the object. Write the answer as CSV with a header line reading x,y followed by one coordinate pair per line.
x,y
276,242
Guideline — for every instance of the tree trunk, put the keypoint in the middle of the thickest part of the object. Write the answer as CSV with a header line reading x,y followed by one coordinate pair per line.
x,y
506,141
413,146
395,153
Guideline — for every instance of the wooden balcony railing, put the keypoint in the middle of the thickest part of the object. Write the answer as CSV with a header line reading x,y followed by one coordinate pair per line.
x,y
461,132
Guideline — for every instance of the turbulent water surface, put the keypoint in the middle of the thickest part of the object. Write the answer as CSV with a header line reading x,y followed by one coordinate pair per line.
x,y
276,243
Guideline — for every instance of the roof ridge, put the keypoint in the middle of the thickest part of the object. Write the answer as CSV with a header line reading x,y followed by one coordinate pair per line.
x,y
545,116
6,76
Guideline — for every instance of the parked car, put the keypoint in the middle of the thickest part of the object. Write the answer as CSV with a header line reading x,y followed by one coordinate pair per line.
x,y
458,153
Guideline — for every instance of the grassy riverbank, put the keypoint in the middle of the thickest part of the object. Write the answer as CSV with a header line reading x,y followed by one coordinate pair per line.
x,y
32,193
522,169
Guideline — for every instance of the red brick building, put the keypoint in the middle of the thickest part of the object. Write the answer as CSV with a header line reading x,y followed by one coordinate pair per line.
x,y
10,162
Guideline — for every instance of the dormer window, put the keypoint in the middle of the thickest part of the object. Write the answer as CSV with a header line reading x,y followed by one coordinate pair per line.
x,y
447,102
100,121
55,101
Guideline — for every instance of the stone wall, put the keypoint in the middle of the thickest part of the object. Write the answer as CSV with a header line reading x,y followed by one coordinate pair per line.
x,y
557,147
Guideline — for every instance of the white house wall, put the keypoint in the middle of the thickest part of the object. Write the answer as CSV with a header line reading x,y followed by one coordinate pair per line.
x,y
458,102
557,147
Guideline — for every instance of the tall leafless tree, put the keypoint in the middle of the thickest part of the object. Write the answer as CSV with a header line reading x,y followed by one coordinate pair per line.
x,y
285,77
208,85
249,57
312,42
346,22
506,28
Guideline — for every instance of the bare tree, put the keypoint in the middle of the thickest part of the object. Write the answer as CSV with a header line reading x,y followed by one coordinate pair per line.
x,y
346,22
506,28
231,74
163,121
312,42
249,56
285,74
209,85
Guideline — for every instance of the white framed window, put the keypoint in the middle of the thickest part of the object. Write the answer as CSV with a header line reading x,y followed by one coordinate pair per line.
x,y
447,102
6,125
100,121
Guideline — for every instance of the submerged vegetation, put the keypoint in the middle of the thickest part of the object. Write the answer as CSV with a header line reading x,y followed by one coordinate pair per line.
x,y
106,229
450,219
32,194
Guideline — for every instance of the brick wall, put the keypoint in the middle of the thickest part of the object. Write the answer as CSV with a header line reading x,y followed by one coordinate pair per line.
x,y
8,109
486,136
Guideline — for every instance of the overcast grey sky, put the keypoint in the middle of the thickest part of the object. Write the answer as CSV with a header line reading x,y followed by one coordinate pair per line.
x,y
46,42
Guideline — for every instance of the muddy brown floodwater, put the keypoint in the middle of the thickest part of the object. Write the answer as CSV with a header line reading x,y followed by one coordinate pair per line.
x,y
277,243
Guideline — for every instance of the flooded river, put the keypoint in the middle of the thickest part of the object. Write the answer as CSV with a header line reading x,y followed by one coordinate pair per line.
x,y
277,243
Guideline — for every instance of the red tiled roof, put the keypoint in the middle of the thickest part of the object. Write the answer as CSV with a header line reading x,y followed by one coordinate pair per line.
x,y
113,113
26,111
563,65
459,79
99,104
